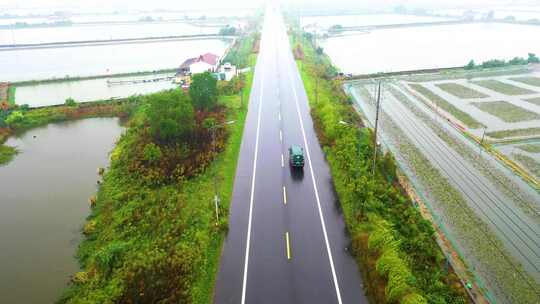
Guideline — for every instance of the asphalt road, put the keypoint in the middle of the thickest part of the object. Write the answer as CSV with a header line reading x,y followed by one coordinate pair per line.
x,y
287,241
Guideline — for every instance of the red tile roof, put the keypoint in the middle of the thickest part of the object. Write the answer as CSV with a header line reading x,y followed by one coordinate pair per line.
x,y
209,58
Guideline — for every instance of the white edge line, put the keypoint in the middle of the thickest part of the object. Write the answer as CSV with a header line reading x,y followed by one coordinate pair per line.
x,y
336,284
248,238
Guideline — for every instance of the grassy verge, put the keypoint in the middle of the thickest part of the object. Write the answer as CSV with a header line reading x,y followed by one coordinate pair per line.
x,y
531,148
11,94
514,133
506,111
502,87
446,106
6,154
529,163
534,81
535,101
160,243
460,91
391,242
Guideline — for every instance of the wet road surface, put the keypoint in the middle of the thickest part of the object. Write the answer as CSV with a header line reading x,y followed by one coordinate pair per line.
x,y
287,241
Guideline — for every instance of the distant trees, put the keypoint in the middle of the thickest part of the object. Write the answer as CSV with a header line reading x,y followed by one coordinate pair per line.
x,y
70,102
203,91
471,65
495,63
336,28
227,31
532,58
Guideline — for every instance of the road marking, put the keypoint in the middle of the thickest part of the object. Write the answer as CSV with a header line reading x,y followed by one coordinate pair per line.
x,y
288,245
282,161
280,136
279,115
284,196
248,237
331,260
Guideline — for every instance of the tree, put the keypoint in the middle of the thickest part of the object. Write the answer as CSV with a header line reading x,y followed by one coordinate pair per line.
x,y
532,58
170,116
470,66
70,102
203,91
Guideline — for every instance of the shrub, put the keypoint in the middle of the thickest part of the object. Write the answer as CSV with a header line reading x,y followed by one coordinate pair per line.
x,y
70,102
203,91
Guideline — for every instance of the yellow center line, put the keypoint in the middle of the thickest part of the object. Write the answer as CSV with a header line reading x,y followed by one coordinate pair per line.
x,y
284,196
288,245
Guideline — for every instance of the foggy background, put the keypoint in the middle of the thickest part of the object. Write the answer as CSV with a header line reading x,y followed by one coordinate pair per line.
x,y
112,5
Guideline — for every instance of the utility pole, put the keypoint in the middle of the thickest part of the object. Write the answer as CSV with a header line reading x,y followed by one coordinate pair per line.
x,y
376,125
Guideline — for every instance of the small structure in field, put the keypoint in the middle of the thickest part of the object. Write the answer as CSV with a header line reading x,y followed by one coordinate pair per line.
x,y
204,63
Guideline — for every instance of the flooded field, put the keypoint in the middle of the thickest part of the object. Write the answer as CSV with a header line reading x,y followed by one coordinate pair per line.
x,y
89,90
45,192
367,19
113,59
100,32
416,48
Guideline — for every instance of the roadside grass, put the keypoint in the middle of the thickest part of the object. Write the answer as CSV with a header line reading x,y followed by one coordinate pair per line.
x,y
506,111
11,94
514,133
391,226
529,163
467,119
460,91
7,153
165,236
502,87
535,101
530,80
531,148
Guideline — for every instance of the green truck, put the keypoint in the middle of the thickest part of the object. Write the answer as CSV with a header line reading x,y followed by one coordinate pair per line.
x,y
296,156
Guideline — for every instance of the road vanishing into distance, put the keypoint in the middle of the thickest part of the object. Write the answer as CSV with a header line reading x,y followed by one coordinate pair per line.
x,y
287,241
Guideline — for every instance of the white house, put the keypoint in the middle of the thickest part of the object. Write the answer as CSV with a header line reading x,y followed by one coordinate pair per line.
x,y
204,63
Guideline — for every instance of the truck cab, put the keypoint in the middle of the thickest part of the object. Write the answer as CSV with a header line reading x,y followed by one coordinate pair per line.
x,y
296,156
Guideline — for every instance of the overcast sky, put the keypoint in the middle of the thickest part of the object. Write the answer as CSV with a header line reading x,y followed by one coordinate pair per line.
x,y
205,4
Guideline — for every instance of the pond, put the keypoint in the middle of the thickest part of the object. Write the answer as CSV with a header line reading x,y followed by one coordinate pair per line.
x,y
367,19
44,203
33,64
100,32
47,94
412,48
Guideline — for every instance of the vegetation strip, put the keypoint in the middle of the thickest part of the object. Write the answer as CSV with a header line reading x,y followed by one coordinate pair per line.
x,y
529,163
446,106
506,111
152,235
530,80
460,90
514,133
390,249
502,87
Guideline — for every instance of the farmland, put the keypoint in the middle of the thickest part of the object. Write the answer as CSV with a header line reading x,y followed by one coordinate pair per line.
x,y
435,153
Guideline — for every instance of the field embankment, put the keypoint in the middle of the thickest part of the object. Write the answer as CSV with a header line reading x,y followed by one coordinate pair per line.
x,y
393,244
153,235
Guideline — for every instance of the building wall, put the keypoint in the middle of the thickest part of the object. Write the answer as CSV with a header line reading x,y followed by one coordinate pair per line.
x,y
200,67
